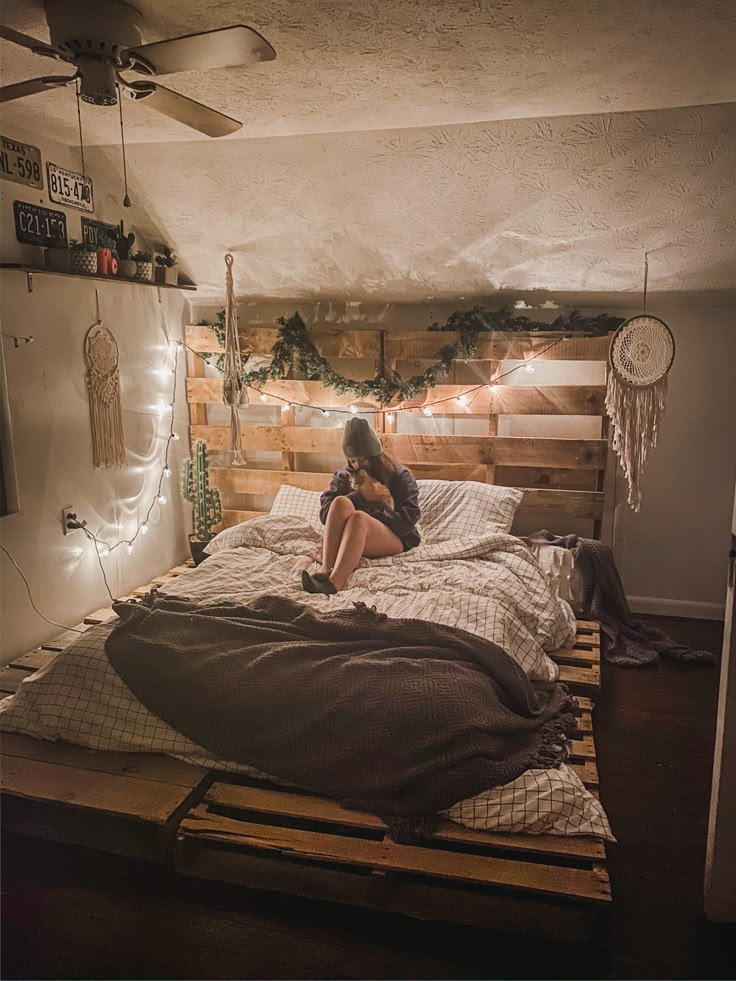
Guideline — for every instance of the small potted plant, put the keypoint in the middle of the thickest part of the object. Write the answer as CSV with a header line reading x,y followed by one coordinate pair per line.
x,y
165,267
123,246
83,258
205,499
143,266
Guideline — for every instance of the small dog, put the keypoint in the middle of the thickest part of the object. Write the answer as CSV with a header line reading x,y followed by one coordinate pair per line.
x,y
371,489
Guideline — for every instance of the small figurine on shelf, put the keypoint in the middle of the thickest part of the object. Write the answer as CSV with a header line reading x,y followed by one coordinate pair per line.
x,y
83,258
143,266
165,263
206,500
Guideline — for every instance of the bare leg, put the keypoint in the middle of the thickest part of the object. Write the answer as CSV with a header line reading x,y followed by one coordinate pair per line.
x,y
340,511
363,535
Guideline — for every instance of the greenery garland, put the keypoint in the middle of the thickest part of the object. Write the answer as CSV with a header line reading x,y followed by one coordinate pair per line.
x,y
294,348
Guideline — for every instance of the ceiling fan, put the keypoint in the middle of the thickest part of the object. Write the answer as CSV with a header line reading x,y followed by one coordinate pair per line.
x,y
102,40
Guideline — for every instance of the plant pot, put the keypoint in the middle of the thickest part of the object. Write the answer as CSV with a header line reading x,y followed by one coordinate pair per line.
x,y
127,268
144,271
168,275
83,262
197,547
58,260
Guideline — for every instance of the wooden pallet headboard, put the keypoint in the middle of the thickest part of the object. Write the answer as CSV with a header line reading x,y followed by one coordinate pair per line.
x,y
564,479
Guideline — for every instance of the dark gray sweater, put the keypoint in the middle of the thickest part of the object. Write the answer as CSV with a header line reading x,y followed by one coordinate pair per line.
x,y
402,520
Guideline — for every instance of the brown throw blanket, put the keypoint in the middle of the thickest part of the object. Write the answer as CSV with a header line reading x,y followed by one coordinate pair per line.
x,y
629,642
399,717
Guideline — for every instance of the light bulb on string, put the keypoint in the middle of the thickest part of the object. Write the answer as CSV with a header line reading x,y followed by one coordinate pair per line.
x,y
354,409
390,417
129,548
162,499
326,412
427,411
167,472
105,551
144,528
493,388
529,368
263,397
462,400
175,436
286,406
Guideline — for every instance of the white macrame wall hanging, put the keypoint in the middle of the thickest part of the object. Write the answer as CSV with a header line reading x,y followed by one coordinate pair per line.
x,y
641,354
233,392
103,385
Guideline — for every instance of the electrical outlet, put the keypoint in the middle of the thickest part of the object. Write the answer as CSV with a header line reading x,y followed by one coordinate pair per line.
x,y
68,514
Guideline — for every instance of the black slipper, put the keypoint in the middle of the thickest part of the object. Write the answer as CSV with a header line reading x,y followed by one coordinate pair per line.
x,y
323,584
307,583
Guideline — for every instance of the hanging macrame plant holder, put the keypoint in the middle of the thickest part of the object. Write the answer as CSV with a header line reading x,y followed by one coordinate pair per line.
x,y
641,354
234,393
103,384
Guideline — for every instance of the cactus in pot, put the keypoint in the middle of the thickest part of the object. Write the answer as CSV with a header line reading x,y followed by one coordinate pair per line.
x,y
124,247
205,499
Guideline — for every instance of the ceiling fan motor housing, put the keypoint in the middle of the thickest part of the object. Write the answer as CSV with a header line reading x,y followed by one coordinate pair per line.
x,y
95,32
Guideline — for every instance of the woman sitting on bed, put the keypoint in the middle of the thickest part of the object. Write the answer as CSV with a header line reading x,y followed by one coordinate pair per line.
x,y
371,509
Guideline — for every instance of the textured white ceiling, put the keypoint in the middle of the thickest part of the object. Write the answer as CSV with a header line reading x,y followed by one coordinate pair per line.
x,y
374,64
565,204
403,149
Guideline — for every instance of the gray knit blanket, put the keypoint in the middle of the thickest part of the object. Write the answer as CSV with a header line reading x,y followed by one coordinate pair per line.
x,y
402,718
628,641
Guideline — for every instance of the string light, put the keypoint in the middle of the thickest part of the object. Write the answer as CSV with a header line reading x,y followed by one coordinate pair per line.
x,y
143,528
129,548
105,551
263,397
167,472
327,412
389,414
175,436
162,499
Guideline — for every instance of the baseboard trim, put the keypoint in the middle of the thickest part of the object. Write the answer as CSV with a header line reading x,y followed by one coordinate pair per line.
x,y
663,607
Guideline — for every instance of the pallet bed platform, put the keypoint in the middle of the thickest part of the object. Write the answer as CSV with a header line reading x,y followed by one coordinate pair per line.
x,y
216,826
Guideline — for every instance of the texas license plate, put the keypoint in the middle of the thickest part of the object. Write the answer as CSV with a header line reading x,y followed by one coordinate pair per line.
x,y
20,162
66,187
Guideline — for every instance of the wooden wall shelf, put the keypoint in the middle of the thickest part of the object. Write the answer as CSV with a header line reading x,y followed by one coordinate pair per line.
x,y
104,279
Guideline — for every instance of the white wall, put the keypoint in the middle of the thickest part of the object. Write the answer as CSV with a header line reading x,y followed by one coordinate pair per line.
x,y
49,409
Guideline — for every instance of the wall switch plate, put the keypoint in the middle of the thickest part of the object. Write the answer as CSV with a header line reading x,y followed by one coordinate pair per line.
x,y
67,514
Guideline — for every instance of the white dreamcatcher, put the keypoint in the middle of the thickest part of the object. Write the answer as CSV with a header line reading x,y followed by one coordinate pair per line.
x,y
103,384
641,355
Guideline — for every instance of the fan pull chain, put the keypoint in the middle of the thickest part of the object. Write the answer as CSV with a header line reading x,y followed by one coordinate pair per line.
x,y
646,277
79,118
126,199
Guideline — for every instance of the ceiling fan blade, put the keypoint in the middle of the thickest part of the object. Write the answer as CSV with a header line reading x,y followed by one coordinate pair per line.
x,y
238,45
184,110
33,85
40,47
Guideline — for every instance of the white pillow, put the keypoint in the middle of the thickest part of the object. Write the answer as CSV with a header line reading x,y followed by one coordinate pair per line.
x,y
298,502
454,509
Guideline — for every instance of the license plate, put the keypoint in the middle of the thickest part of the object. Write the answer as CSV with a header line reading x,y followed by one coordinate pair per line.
x,y
20,162
66,187
35,225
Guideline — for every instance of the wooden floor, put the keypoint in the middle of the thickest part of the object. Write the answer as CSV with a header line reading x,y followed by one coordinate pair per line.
x,y
71,913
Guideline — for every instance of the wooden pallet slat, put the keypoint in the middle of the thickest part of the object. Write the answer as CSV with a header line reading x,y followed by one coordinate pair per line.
x,y
583,400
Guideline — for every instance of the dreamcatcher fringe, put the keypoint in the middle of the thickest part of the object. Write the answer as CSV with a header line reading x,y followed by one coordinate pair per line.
x,y
233,392
103,383
636,414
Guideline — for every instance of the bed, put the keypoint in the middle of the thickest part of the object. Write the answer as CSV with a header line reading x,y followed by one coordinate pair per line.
x,y
246,827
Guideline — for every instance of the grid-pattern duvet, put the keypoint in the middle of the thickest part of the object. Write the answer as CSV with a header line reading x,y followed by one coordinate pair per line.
x,y
490,586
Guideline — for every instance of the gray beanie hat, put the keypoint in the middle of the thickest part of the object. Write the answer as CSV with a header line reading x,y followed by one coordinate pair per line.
x,y
360,439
